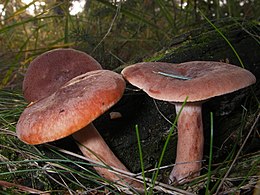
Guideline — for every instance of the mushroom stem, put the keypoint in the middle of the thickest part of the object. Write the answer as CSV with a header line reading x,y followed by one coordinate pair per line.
x,y
190,143
93,146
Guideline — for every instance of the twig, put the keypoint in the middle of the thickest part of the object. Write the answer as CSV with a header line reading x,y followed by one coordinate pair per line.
x,y
169,166
6,184
110,28
95,163
157,108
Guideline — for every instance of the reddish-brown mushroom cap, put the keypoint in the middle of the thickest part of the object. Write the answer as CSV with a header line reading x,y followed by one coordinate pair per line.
x,y
199,80
205,79
52,69
70,108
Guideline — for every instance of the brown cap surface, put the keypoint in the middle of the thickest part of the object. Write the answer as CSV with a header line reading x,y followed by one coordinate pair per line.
x,y
52,69
207,79
71,107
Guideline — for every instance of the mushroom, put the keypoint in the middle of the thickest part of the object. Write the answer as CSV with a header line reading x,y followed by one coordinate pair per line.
x,y
70,110
50,70
197,81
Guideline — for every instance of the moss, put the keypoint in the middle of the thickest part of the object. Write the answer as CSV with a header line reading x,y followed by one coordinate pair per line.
x,y
205,43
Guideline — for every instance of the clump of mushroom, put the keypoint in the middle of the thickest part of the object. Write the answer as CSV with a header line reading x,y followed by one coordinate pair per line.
x,y
197,81
65,106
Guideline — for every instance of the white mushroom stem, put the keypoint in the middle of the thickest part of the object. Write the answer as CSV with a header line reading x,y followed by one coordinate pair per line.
x,y
190,143
93,146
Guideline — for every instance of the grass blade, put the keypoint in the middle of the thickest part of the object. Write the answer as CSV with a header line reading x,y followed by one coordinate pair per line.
x,y
166,144
210,153
133,16
141,156
239,151
225,38
166,12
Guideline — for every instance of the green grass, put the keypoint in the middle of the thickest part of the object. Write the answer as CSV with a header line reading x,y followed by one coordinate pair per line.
x,y
210,154
141,158
225,38
114,35
49,166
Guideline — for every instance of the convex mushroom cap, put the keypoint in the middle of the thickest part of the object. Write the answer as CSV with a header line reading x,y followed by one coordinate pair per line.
x,y
50,70
200,80
72,107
